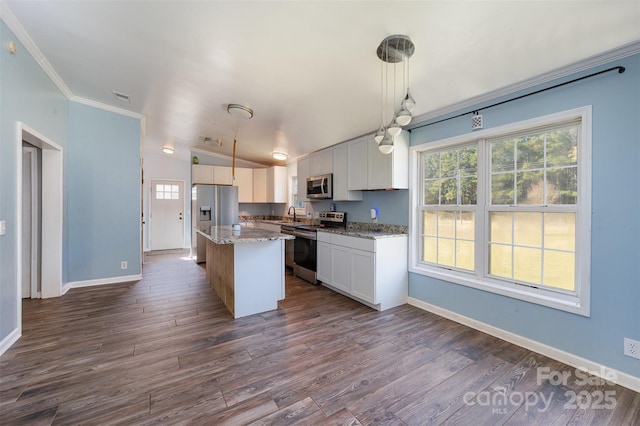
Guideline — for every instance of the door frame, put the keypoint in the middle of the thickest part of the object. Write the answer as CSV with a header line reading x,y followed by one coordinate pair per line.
x,y
52,204
186,198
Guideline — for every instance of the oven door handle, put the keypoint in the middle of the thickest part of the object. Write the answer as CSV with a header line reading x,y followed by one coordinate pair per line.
x,y
306,235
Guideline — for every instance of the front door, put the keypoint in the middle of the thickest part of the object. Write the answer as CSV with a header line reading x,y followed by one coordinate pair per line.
x,y
167,214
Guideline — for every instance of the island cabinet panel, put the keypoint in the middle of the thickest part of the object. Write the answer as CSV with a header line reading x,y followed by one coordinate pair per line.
x,y
248,277
220,261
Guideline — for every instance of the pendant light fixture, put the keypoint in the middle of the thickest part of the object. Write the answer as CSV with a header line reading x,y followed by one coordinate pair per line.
x,y
393,50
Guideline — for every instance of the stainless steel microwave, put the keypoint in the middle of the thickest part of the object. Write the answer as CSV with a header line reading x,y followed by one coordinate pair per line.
x,y
320,187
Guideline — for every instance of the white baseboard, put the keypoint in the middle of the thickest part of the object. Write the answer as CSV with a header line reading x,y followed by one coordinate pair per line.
x,y
101,281
10,340
623,379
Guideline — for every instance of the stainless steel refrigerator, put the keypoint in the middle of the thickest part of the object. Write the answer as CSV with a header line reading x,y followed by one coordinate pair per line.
x,y
211,205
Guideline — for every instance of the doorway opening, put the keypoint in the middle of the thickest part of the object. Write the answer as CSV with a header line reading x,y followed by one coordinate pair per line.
x,y
48,231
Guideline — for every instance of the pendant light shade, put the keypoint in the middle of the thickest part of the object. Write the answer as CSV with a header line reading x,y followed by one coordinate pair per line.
x,y
379,134
403,117
408,102
386,145
394,128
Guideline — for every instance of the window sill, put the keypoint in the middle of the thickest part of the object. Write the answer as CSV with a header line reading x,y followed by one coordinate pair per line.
x,y
564,302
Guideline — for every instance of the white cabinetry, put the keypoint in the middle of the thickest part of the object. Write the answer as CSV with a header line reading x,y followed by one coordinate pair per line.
x,y
370,169
390,171
321,162
259,185
372,271
341,175
216,175
303,174
277,184
270,185
201,173
358,152
323,260
222,175
244,182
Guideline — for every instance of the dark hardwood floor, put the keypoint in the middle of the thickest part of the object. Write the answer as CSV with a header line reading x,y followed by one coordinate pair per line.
x,y
165,350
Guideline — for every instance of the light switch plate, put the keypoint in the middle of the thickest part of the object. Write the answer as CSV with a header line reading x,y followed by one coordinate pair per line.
x,y
3,227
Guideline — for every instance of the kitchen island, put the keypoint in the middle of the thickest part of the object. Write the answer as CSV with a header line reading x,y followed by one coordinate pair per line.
x,y
245,267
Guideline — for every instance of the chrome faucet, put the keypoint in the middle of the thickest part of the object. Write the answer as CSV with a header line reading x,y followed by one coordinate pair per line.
x,y
294,212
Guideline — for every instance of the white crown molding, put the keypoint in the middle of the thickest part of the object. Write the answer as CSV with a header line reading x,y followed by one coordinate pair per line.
x,y
16,27
105,107
583,65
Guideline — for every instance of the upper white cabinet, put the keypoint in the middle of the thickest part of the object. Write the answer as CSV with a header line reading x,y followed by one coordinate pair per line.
x,y
277,184
358,153
244,182
390,171
341,168
222,175
259,185
321,162
270,185
303,174
201,173
369,169
212,175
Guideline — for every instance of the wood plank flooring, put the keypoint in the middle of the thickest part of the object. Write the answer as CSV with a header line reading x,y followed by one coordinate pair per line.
x,y
165,350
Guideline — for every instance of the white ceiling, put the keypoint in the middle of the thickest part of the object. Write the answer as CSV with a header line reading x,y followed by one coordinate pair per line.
x,y
308,69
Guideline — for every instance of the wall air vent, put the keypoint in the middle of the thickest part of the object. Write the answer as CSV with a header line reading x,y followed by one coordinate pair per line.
x,y
122,97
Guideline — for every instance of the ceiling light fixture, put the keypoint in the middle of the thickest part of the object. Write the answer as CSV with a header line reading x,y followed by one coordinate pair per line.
x,y
280,154
168,149
240,111
393,50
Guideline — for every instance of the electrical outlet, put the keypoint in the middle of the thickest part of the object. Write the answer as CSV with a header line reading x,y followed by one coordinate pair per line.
x,y
632,348
123,264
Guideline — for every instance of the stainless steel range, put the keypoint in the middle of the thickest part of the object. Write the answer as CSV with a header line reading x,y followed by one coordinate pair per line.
x,y
305,245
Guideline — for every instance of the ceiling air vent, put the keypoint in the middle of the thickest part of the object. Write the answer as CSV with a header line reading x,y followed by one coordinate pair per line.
x,y
122,97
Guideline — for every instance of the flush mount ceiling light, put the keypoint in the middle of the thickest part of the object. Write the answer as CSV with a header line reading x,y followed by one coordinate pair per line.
x,y
393,50
280,154
168,149
240,111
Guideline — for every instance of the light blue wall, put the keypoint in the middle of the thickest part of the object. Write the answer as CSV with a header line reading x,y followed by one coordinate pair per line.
x,y
392,207
103,202
101,198
615,251
29,96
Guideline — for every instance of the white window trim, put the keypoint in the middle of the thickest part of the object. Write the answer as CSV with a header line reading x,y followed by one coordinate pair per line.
x,y
579,302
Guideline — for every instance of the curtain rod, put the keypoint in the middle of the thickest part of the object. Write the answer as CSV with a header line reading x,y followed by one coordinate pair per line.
x,y
619,68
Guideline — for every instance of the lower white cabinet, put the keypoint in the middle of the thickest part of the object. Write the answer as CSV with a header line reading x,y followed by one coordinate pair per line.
x,y
372,271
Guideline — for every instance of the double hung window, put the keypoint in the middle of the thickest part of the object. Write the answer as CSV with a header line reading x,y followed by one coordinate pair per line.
x,y
507,210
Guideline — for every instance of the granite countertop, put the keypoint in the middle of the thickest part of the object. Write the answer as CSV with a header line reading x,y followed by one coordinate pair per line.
x,y
371,235
225,235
